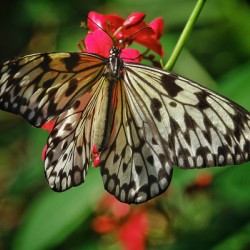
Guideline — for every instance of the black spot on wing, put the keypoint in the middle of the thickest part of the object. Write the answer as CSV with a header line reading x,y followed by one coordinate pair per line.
x,y
138,169
50,155
116,158
72,87
150,159
202,97
169,84
79,150
56,141
154,142
52,107
124,167
65,145
163,159
67,127
45,62
24,101
48,83
54,132
76,104
155,108
65,156
71,62
173,104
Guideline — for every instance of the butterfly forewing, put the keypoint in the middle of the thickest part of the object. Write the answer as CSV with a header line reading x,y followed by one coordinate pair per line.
x,y
41,86
198,126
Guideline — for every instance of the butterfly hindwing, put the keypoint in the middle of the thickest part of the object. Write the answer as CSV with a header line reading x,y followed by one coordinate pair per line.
x,y
135,166
71,140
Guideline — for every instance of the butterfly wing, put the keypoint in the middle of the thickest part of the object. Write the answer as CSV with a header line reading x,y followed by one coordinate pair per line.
x,y
70,142
165,120
41,86
46,86
200,127
135,166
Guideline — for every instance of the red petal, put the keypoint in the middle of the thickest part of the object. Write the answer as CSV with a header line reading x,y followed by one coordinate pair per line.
x,y
204,179
48,125
134,19
158,26
94,150
152,44
113,22
103,224
134,29
111,204
96,20
44,152
133,233
96,162
98,42
131,55
120,209
109,23
142,29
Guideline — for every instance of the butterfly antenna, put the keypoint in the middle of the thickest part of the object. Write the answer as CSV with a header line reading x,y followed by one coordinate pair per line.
x,y
101,28
146,27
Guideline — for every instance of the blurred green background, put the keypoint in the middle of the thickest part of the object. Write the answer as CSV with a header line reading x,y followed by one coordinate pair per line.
x,y
195,216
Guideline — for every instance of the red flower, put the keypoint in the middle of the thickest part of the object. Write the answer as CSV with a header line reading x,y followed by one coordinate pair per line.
x,y
47,126
112,30
130,225
157,25
115,207
103,224
95,157
133,233
100,43
44,152
204,179
133,19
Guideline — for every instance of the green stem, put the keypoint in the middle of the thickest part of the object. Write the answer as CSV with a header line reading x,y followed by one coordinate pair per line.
x,y
184,35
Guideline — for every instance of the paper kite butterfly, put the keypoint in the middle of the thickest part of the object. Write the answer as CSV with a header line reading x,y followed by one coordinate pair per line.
x,y
142,120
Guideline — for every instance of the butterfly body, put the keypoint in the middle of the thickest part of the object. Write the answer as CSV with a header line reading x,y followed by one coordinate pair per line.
x,y
143,120
102,128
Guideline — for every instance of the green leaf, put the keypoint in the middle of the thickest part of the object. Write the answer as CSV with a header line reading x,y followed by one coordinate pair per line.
x,y
239,240
54,216
232,186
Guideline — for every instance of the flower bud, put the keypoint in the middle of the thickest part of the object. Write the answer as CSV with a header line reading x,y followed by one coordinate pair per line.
x,y
133,19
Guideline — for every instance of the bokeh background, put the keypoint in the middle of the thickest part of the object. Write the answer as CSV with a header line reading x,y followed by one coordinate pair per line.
x,y
203,209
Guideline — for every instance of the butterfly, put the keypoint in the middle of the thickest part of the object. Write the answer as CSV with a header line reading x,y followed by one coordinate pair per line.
x,y
142,120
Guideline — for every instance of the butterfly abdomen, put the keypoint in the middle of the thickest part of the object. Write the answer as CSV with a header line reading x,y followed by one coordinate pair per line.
x,y
104,116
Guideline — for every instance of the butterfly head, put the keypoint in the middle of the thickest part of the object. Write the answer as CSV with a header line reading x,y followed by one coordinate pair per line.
x,y
115,51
